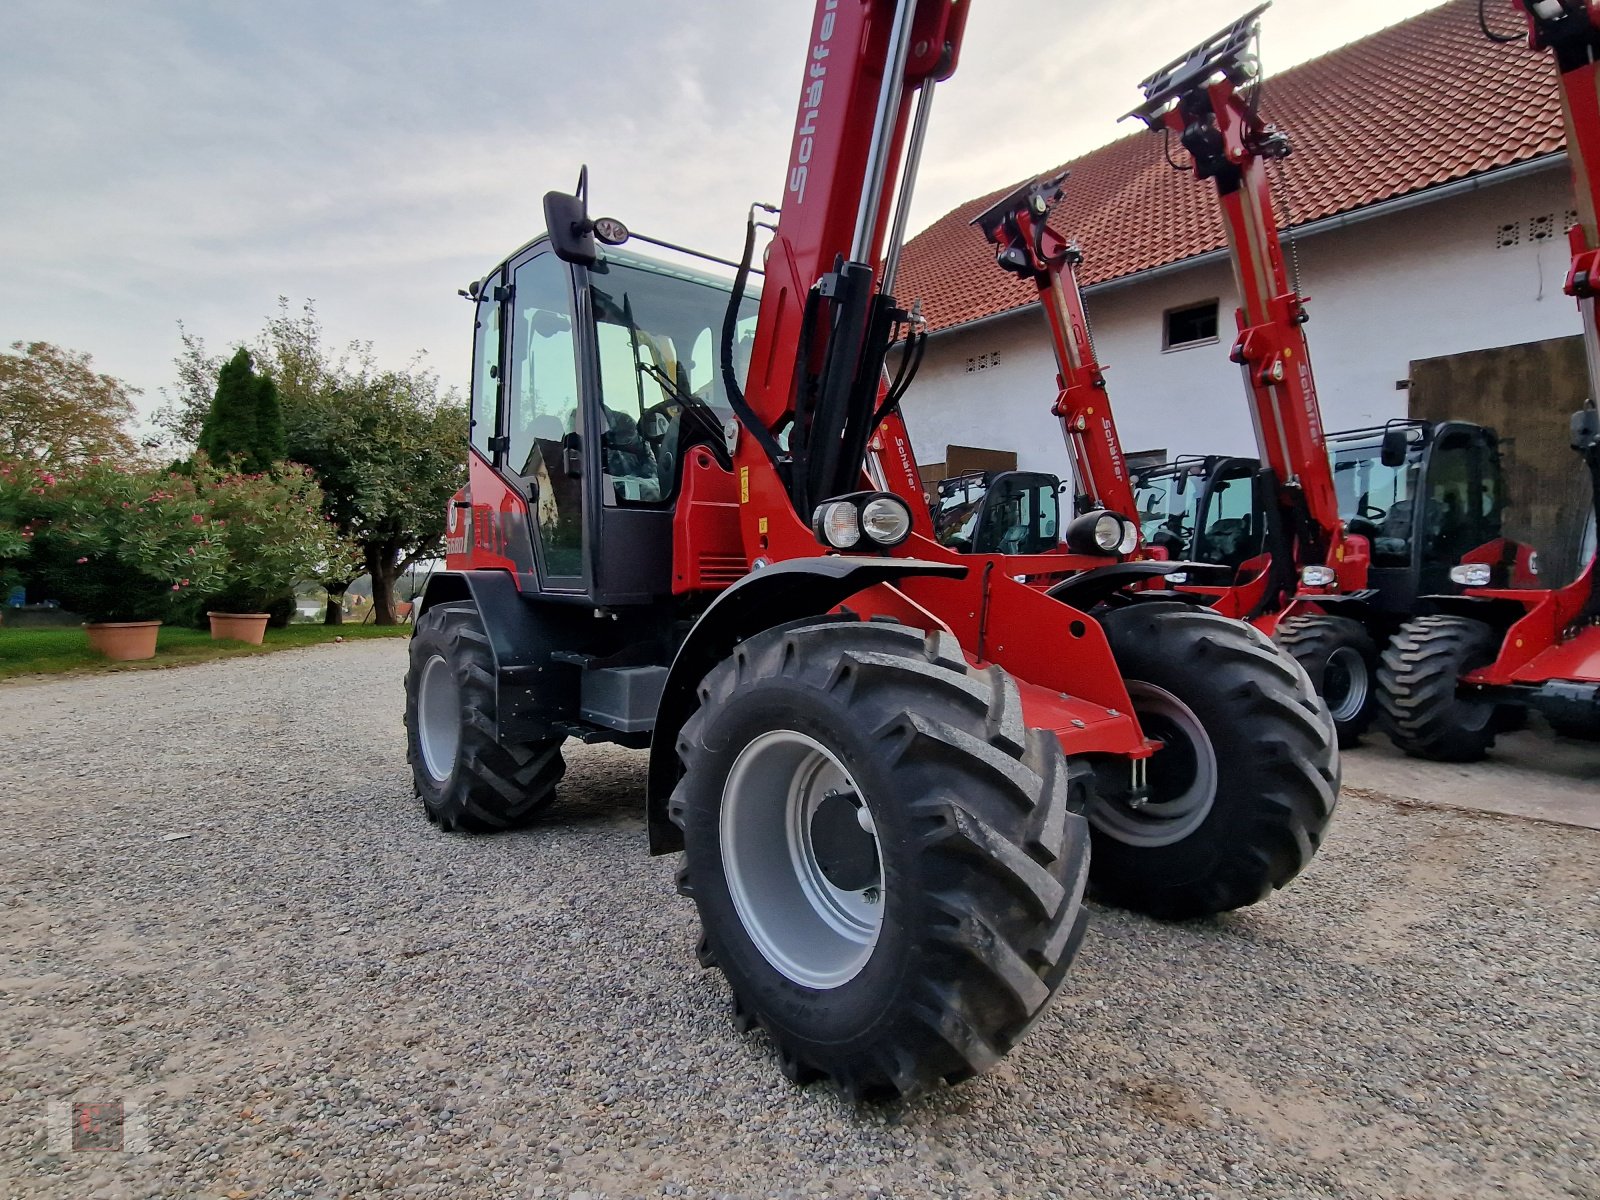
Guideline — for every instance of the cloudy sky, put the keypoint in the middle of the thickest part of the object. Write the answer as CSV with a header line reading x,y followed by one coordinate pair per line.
x,y
193,160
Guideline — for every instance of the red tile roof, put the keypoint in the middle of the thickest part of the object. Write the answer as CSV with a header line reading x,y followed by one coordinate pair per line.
x,y
1416,105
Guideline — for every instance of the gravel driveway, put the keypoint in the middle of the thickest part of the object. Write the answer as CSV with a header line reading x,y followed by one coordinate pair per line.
x,y
315,993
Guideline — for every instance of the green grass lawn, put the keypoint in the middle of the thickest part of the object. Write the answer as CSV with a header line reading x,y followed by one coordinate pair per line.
x,y
51,651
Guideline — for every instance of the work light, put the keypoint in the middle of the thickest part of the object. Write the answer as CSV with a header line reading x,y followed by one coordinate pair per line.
x,y
882,518
1102,531
1318,576
837,524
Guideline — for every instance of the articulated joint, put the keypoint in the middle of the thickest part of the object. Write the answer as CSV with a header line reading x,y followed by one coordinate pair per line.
x,y
1257,351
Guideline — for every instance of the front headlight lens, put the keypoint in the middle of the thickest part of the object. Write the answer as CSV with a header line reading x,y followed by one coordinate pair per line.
x,y
886,520
1319,577
1102,531
1472,574
838,524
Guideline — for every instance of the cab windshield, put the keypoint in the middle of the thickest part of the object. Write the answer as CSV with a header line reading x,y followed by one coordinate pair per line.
x,y
1375,500
658,333
1168,500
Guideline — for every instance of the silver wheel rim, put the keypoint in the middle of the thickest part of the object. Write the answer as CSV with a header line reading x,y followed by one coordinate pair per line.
x,y
439,717
785,803
1346,683
1182,775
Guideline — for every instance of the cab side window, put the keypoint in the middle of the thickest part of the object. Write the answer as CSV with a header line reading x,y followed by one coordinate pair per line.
x,y
486,368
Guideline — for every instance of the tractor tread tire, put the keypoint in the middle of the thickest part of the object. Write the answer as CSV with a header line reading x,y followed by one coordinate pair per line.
x,y
493,787
986,814
1417,680
1277,762
1311,640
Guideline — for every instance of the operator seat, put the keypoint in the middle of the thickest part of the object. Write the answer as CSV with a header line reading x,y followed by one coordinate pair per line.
x,y
1393,538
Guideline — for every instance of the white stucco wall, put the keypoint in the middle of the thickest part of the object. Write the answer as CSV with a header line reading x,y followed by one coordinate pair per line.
x,y
1424,282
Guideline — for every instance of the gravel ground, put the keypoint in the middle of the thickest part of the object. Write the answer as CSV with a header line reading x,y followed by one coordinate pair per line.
x,y
315,993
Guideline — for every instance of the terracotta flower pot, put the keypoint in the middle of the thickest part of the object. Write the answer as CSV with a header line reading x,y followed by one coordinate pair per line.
x,y
123,641
239,627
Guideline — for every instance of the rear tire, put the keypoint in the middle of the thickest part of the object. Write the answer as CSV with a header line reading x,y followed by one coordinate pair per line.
x,y
921,936
1342,660
1417,689
1245,785
466,779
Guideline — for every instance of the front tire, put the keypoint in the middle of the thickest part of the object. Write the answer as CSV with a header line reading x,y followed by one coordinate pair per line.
x,y
888,866
1417,687
1342,660
1245,784
466,779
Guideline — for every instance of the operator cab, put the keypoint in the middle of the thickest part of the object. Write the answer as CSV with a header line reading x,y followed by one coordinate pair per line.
x,y
1203,509
591,381
1424,495
999,512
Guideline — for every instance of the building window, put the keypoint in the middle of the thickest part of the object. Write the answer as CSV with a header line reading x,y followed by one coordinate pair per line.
x,y
1193,325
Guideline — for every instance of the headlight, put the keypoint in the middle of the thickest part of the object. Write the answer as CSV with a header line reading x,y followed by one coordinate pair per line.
x,y
1471,574
1107,531
1102,532
1318,577
886,520
881,518
837,524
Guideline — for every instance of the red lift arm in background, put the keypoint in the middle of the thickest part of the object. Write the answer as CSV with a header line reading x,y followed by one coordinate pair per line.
x,y
1026,246
1199,99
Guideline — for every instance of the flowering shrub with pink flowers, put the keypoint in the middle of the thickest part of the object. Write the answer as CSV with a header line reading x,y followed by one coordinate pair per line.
x,y
110,542
273,527
16,542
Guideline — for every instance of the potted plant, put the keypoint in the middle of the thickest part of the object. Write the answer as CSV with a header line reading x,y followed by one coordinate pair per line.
x,y
125,547
275,534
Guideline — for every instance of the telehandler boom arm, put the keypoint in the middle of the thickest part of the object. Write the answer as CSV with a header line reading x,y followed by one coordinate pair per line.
x,y
1199,98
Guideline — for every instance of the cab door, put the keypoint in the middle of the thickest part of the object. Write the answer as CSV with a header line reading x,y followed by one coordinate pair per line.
x,y
543,418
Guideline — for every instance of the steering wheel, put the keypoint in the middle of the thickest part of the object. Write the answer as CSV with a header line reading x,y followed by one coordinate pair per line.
x,y
1371,511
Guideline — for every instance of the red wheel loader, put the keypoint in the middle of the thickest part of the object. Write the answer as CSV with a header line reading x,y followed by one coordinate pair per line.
x,y
694,523
1448,674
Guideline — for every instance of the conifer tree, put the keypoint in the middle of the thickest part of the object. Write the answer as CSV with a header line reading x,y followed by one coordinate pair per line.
x,y
244,425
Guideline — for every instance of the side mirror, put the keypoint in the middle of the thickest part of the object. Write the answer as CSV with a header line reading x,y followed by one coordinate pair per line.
x,y
1395,448
571,234
1585,429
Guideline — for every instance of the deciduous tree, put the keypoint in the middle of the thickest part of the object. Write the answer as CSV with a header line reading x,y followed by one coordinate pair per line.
x,y
55,409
